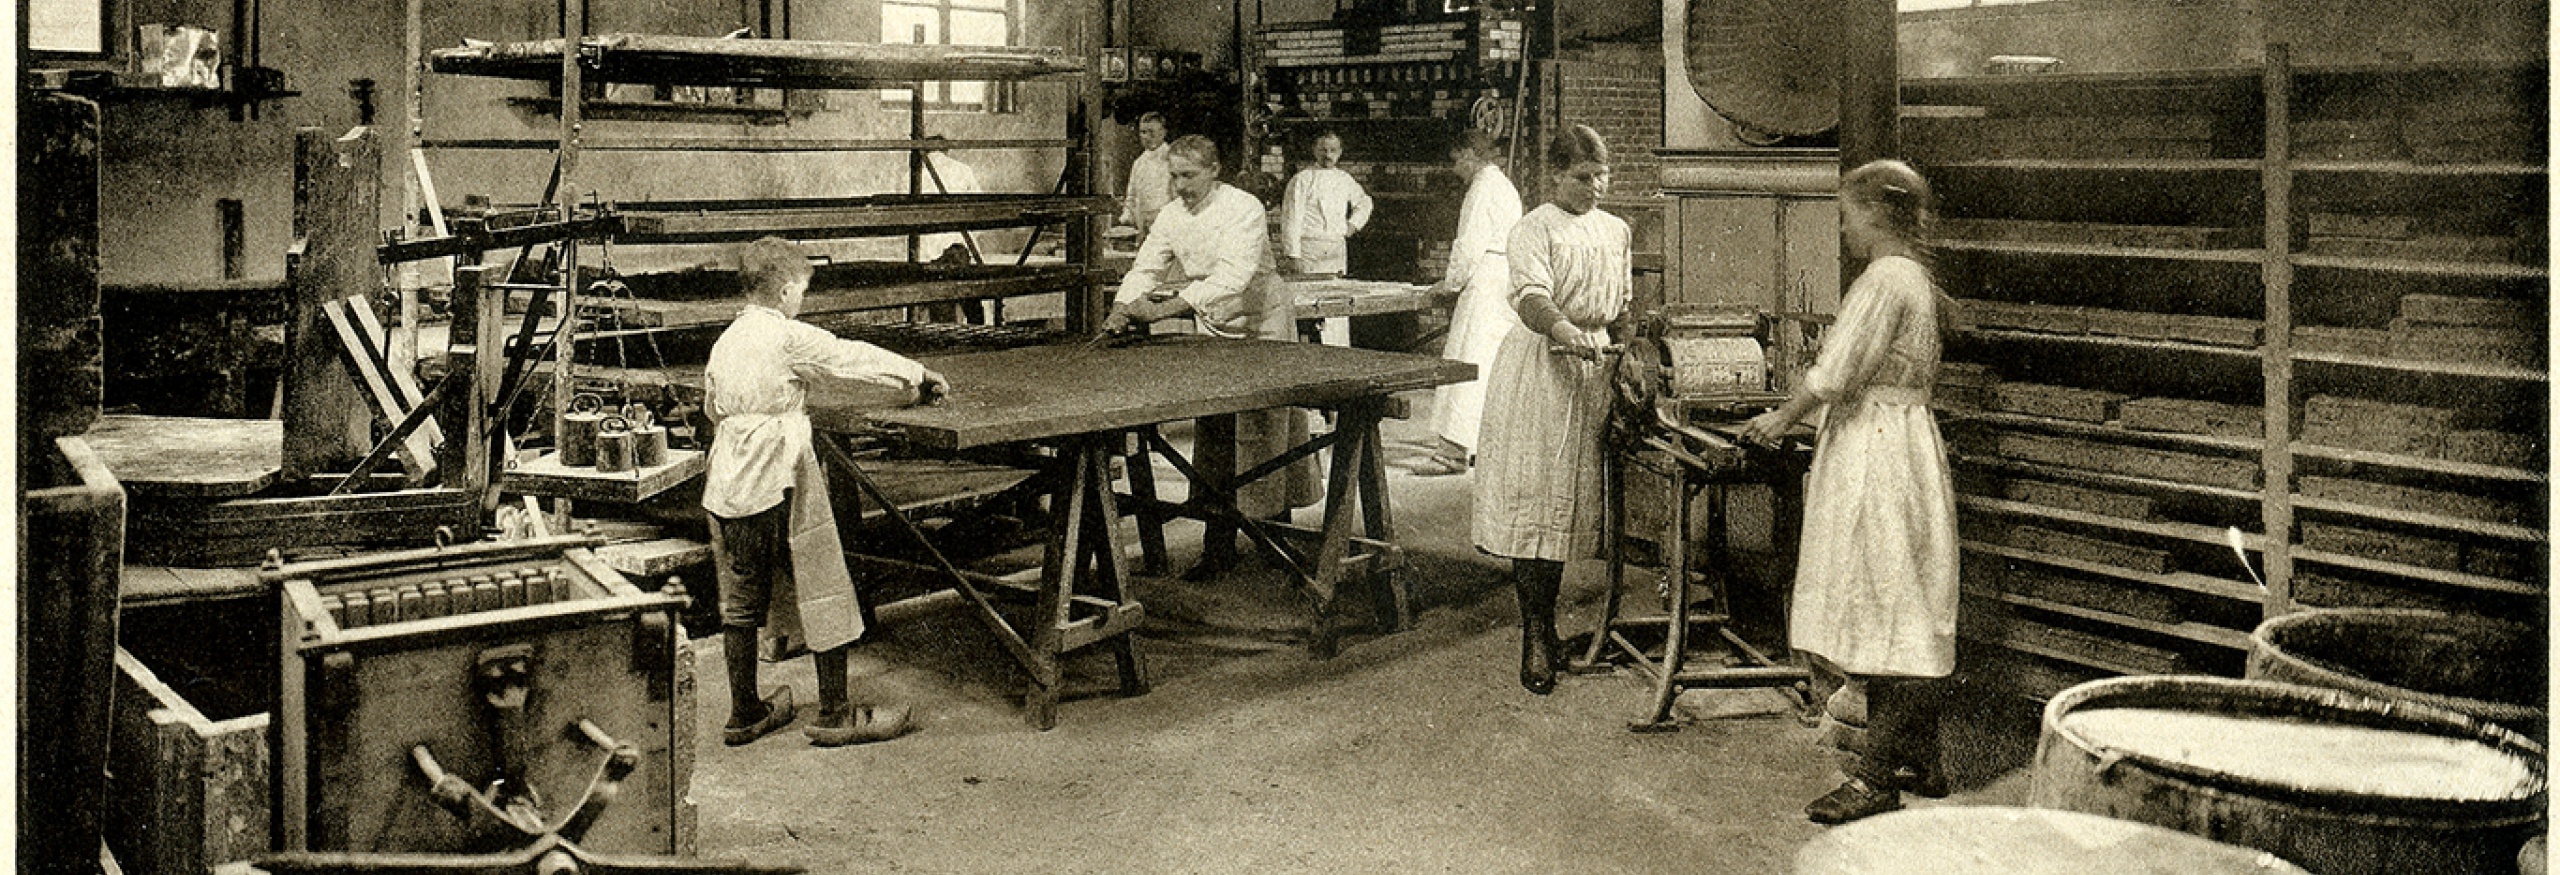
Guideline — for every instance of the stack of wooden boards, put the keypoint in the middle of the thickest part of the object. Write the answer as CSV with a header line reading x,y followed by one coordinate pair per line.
x,y
2421,431
2479,123
2441,328
1956,135
2135,324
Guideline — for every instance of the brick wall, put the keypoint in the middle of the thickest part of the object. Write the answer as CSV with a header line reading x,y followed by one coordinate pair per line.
x,y
1618,92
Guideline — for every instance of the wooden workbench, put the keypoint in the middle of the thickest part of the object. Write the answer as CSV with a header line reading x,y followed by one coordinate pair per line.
x,y
1385,310
1092,404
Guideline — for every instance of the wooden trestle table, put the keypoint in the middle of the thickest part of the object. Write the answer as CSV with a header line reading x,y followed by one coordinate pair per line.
x,y
1082,406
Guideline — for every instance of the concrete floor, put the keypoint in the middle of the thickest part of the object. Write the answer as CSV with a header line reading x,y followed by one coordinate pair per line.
x,y
1415,752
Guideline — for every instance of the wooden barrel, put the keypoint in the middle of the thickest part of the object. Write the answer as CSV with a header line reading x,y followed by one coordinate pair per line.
x,y
1963,840
2492,669
2339,783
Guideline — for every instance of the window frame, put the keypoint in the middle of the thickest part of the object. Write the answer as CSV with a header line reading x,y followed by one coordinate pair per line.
x,y
994,96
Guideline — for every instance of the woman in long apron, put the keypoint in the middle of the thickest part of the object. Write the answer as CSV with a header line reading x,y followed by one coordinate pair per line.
x,y
1479,281
1537,488
1875,588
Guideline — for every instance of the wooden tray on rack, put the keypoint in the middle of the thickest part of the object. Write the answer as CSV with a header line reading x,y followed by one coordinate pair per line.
x,y
685,60
814,219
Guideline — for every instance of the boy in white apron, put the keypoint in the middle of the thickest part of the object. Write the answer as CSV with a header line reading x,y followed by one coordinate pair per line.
x,y
773,534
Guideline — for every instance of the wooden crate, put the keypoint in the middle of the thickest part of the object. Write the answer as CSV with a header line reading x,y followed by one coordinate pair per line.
x,y
2068,497
2481,447
2088,549
2115,597
2504,563
2059,402
2379,426
2044,318
2321,223
2373,342
213,534
2429,247
2395,496
2214,330
2422,341
2095,234
2171,465
192,792
2468,310
2402,548
374,664
71,519
2323,590
2137,658
2189,416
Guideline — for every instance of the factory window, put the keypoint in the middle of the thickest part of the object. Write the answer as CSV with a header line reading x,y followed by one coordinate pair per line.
x,y
952,23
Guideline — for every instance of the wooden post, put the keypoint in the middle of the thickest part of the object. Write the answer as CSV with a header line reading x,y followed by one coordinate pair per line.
x,y
573,108
328,425
61,359
1870,99
476,352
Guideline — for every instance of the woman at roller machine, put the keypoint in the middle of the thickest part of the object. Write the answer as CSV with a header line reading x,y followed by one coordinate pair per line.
x,y
1537,488
1875,587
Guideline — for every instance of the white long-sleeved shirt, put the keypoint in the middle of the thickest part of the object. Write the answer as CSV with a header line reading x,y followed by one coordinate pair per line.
x,y
1221,253
1150,187
755,392
1323,206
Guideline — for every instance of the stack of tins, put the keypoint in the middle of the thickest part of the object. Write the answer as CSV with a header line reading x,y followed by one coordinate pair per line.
x,y
1964,840
2339,783
610,441
2493,670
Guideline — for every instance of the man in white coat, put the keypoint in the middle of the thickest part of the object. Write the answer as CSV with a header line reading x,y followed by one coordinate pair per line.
x,y
1209,259
1150,181
1479,280
1319,212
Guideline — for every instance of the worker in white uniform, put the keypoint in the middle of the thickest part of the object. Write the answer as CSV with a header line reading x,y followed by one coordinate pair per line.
x,y
1537,487
1322,207
774,542
1150,181
1875,589
1479,283
1209,258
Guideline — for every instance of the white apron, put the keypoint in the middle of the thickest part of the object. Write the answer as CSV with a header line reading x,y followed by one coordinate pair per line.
x,y
814,607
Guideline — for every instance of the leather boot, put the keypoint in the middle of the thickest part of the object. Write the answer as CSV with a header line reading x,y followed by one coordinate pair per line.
x,y
1536,584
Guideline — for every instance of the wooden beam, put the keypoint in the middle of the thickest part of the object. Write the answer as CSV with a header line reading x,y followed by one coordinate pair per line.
x,y
417,447
327,424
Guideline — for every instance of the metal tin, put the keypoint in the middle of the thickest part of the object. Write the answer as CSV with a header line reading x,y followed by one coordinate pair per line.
x,y
578,430
613,445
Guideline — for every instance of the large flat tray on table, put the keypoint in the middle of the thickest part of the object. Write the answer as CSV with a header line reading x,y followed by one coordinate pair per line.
x,y
831,218
1095,403
1041,392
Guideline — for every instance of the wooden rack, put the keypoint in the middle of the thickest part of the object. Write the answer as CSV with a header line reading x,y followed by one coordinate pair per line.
x,y
2227,194
579,64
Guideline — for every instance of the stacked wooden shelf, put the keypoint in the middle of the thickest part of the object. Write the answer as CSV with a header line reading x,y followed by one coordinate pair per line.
x,y
2310,277
652,323
1399,93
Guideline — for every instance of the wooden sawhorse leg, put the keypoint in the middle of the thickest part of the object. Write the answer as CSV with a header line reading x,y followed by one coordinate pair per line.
x,y
1084,551
1357,480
